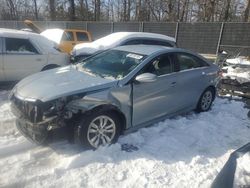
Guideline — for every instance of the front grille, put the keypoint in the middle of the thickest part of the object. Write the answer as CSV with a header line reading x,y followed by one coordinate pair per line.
x,y
30,110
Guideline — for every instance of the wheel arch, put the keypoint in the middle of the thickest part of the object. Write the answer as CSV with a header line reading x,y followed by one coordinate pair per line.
x,y
109,108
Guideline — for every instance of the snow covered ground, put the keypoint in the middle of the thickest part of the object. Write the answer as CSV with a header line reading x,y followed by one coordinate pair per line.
x,y
186,151
238,68
239,61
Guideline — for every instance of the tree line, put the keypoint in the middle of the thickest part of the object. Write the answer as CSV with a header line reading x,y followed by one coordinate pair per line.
x,y
127,10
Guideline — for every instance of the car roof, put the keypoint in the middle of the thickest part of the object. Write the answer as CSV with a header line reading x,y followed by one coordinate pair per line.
x,y
118,36
141,49
148,49
16,33
151,49
127,35
40,41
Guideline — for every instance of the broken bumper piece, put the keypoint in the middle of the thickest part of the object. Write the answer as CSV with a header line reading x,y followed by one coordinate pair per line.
x,y
35,133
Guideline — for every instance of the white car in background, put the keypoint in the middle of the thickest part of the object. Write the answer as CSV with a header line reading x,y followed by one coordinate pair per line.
x,y
24,53
83,50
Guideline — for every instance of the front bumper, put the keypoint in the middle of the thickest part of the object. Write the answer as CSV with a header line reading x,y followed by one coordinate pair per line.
x,y
35,132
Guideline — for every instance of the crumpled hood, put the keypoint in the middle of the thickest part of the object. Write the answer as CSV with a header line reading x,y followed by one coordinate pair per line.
x,y
55,83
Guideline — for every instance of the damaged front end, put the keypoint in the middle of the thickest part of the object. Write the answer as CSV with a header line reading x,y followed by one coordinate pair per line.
x,y
36,118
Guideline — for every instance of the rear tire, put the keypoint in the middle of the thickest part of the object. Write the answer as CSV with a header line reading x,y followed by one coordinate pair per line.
x,y
206,100
98,128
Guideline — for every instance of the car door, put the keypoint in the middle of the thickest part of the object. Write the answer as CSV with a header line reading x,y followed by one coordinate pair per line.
x,y
21,58
2,77
153,100
192,78
67,41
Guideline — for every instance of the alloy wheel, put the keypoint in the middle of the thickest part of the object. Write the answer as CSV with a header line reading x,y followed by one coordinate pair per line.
x,y
101,131
206,100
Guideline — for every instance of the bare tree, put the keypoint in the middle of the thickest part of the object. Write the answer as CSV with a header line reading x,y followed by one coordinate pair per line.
x,y
72,10
97,9
226,15
127,10
52,9
246,13
138,10
13,10
36,10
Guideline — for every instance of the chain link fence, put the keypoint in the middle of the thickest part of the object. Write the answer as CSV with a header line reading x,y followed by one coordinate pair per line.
x,y
205,38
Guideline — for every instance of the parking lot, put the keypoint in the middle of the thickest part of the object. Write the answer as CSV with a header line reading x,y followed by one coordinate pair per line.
x,y
75,95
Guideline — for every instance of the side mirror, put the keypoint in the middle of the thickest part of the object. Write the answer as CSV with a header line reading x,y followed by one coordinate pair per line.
x,y
146,77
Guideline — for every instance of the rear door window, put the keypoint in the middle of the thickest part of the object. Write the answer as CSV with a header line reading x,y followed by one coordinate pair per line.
x,y
82,36
68,36
19,46
187,61
133,42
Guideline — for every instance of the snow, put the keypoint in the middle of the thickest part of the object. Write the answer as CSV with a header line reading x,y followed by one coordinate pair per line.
x,y
238,69
242,174
242,75
113,40
54,35
186,151
239,61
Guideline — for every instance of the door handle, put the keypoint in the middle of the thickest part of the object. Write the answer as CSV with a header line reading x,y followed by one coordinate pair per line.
x,y
38,59
203,73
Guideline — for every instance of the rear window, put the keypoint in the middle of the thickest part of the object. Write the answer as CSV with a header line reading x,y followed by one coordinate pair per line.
x,y
148,42
82,36
133,42
188,61
16,45
157,42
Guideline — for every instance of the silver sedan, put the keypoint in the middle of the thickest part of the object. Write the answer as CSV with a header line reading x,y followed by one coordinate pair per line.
x,y
114,92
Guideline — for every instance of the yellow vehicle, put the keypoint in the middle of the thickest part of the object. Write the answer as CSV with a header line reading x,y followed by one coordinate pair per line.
x,y
66,39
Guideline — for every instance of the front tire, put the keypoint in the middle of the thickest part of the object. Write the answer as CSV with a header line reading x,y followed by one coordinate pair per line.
x,y
206,100
98,129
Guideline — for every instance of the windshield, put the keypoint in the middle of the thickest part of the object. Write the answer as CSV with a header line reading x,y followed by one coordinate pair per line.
x,y
114,64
